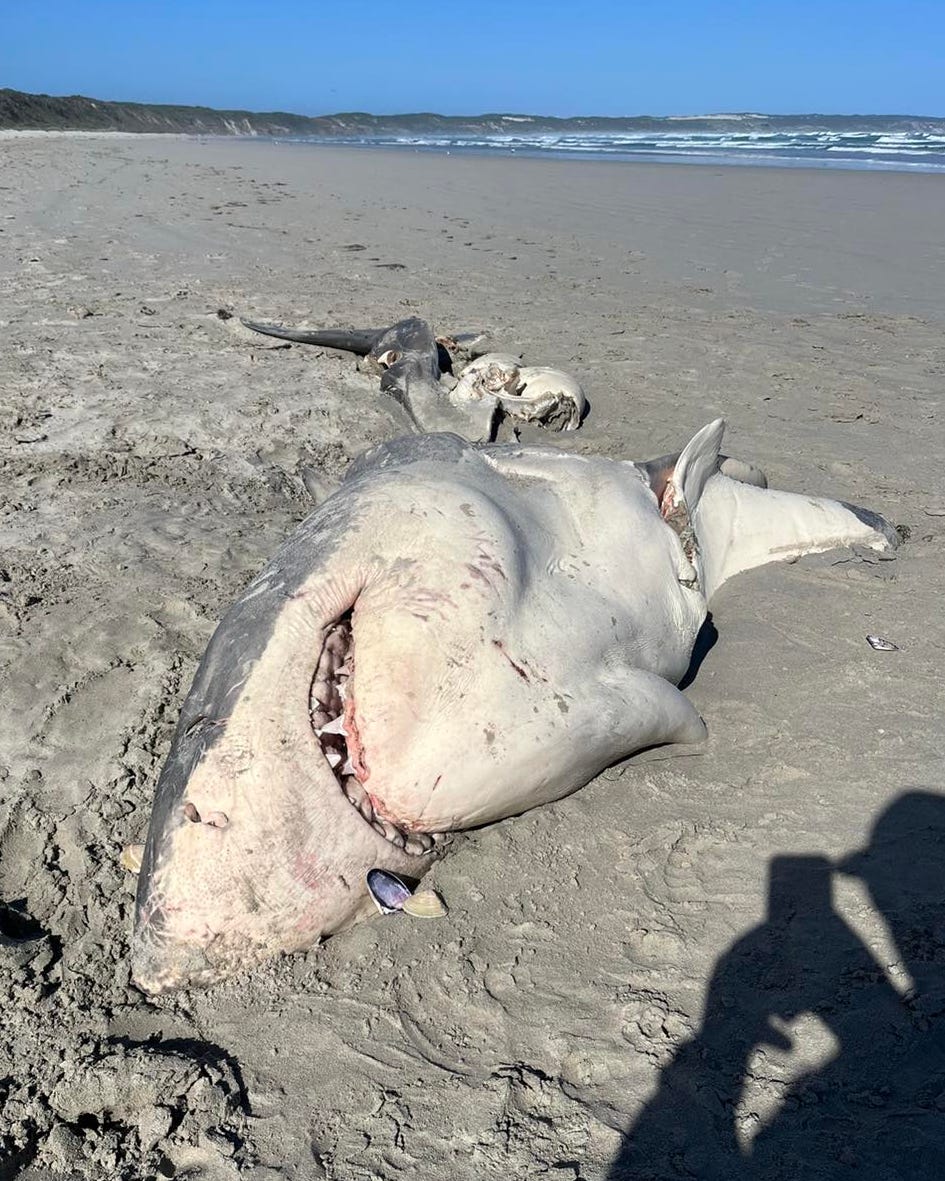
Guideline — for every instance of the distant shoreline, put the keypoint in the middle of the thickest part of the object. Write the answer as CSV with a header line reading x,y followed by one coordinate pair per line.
x,y
20,110
830,154
874,143
668,152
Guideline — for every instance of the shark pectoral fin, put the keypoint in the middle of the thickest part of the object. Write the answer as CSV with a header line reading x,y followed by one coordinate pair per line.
x,y
683,474
697,461
681,489
741,526
654,712
885,536
349,340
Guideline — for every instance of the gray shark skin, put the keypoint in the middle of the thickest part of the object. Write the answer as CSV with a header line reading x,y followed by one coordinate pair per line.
x,y
458,634
419,370
411,362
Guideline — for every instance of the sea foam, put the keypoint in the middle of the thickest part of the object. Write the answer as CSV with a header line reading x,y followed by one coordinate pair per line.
x,y
898,151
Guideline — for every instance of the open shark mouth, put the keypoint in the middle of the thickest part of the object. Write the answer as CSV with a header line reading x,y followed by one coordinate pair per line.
x,y
331,708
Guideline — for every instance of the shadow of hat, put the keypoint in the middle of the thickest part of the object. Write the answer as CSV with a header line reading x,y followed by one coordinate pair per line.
x,y
907,842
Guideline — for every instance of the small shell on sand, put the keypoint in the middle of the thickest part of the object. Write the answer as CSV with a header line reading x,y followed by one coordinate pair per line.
x,y
425,904
881,644
131,857
387,890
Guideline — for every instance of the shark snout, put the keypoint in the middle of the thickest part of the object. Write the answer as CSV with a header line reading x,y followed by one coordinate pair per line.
x,y
162,963
167,965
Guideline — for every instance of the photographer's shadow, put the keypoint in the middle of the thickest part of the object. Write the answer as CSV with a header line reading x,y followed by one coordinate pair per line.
x,y
876,1110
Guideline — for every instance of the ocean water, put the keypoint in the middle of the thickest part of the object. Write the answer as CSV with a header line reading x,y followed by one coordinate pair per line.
x,y
884,151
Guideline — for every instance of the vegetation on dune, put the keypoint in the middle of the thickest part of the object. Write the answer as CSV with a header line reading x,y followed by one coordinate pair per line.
x,y
77,113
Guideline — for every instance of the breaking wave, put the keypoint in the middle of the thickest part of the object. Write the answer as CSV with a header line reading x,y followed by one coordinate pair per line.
x,y
886,151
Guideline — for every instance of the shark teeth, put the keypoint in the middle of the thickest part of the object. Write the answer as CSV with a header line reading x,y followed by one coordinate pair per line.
x,y
332,687
335,726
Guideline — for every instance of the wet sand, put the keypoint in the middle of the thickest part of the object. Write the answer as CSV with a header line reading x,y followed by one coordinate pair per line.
x,y
149,465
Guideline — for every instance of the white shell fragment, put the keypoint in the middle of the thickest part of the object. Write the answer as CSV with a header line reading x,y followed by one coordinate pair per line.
x,y
131,858
425,904
881,644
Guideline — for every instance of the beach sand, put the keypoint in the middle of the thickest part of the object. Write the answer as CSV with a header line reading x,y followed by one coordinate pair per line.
x,y
149,459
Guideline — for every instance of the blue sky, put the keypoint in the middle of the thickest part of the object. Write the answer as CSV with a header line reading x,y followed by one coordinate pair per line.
x,y
607,58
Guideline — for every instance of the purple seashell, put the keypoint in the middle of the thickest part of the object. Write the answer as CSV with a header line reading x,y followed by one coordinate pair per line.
x,y
387,890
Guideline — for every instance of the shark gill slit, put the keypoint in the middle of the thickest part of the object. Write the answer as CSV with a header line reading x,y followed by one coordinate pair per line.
x,y
331,709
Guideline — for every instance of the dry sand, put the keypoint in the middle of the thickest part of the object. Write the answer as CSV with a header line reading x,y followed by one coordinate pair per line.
x,y
149,457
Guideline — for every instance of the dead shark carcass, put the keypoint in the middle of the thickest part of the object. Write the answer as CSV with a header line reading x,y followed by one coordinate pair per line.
x,y
451,383
458,634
